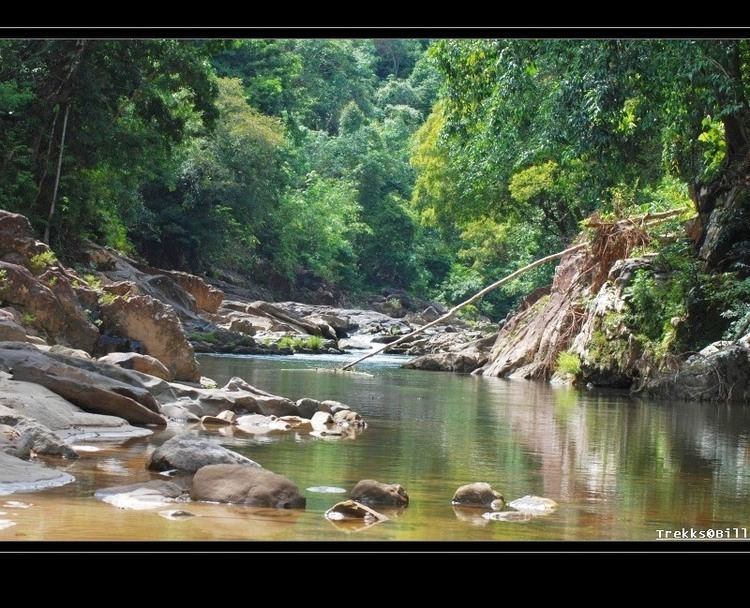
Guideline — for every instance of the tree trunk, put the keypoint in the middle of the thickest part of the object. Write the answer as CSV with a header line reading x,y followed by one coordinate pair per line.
x,y
46,157
724,205
57,175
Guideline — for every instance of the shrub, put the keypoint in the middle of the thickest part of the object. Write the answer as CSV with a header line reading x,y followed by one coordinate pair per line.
x,y
107,299
314,342
92,281
39,262
568,363
286,342
28,318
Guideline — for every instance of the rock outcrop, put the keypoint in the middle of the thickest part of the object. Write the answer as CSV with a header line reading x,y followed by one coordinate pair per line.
x,y
82,383
465,359
49,301
157,327
720,372
207,298
21,401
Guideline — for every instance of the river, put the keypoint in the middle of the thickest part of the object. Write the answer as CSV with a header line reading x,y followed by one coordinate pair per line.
x,y
620,468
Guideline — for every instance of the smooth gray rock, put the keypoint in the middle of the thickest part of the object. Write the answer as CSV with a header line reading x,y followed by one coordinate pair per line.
x,y
17,475
189,453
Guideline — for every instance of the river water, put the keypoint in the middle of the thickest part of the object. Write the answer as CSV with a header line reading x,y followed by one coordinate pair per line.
x,y
619,468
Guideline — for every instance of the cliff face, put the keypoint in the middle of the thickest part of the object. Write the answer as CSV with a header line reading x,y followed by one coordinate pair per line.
x,y
588,319
528,344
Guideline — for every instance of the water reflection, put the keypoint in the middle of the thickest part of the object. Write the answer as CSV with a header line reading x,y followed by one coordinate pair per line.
x,y
619,468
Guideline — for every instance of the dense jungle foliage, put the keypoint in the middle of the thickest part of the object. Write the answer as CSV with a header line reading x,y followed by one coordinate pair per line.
x,y
435,166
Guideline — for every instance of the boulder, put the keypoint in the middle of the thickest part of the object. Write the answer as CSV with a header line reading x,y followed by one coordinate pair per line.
x,y
430,314
462,358
227,415
86,388
341,325
157,327
246,485
242,325
34,437
375,493
17,241
322,421
306,408
215,421
478,494
348,418
59,349
10,331
189,453
140,363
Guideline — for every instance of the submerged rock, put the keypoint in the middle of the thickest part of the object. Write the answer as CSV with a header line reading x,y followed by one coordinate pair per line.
x,y
478,494
351,509
326,490
247,485
189,453
375,493
176,514
508,516
140,496
535,505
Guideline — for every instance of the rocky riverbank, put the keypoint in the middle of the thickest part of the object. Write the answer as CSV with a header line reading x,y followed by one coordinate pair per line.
x,y
106,350
587,320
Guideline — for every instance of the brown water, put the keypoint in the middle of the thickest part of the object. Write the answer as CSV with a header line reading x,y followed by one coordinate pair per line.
x,y
619,468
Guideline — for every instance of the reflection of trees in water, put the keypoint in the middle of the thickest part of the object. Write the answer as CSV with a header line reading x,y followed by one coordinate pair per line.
x,y
433,432
676,458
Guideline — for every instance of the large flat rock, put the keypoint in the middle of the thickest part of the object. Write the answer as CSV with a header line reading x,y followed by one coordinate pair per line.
x,y
17,475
